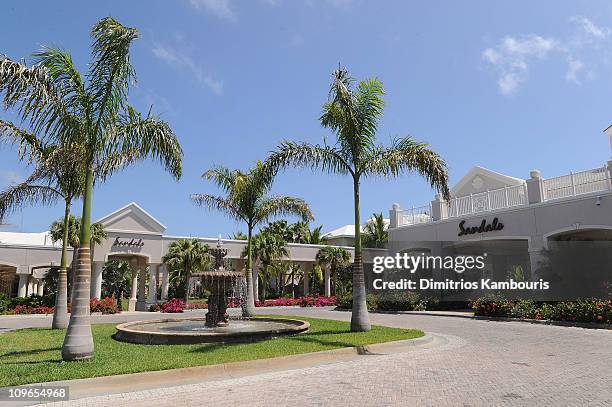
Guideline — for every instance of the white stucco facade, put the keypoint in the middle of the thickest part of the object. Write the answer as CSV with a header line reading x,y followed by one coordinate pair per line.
x,y
135,236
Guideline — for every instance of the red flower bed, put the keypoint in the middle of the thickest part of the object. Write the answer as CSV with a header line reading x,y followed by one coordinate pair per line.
x,y
302,302
105,306
22,309
173,306
197,305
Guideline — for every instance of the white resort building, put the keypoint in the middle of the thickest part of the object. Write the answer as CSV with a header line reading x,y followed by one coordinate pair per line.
x,y
136,236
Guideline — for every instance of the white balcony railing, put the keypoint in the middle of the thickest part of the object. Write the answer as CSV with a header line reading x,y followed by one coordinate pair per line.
x,y
579,183
507,197
416,215
584,182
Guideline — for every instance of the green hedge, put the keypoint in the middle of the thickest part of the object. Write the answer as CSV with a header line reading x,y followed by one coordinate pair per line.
x,y
584,310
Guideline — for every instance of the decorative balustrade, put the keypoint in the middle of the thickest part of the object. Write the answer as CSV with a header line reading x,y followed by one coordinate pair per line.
x,y
578,183
416,215
507,197
573,184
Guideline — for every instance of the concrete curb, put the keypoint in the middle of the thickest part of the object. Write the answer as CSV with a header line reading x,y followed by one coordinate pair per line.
x,y
127,383
450,314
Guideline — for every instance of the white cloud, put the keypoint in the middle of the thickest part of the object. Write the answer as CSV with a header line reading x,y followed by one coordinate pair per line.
x,y
182,61
511,57
590,28
574,66
219,8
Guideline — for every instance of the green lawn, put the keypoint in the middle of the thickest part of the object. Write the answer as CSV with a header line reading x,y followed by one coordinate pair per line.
x,y
34,355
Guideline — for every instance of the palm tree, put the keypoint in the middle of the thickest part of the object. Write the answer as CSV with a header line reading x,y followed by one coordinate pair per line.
x,y
184,257
315,236
58,175
56,231
246,201
238,236
353,113
375,232
116,279
334,257
268,247
90,111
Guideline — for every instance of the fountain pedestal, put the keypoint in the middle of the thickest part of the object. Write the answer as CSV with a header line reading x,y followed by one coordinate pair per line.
x,y
217,310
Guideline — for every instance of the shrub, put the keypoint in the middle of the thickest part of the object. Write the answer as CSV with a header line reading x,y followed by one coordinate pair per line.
x,y
197,305
399,301
106,306
154,308
584,310
24,309
173,306
317,301
345,301
5,303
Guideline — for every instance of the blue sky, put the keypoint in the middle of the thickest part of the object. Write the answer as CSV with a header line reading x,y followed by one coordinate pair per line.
x,y
509,86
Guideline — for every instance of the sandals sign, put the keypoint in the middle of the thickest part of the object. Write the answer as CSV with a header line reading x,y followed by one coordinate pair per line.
x,y
484,227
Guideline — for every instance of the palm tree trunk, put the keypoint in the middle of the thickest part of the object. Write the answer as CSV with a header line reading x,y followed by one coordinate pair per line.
x,y
263,283
187,275
78,342
360,320
249,309
60,313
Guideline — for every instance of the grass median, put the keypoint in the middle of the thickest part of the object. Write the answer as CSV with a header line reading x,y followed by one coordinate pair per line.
x,y
34,355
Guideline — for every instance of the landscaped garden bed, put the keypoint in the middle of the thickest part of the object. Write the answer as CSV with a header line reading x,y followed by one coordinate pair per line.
x,y
34,355
585,310
36,304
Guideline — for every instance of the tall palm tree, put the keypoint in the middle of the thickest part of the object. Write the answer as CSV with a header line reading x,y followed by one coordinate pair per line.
x,y
375,232
90,111
334,257
246,201
353,113
58,175
184,257
268,247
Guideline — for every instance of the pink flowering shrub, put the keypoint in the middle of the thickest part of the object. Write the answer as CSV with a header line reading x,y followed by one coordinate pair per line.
x,y
173,306
302,302
197,305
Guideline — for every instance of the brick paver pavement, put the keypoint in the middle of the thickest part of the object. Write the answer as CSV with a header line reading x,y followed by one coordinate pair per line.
x,y
481,363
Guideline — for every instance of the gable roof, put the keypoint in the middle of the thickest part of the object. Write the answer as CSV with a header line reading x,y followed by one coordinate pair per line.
x,y
477,170
134,211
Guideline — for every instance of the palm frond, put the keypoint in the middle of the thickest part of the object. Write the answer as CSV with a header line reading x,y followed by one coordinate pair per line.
x,y
222,176
136,138
408,155
38,98
111,71
326,158
23,194
30,147
282,205
218,203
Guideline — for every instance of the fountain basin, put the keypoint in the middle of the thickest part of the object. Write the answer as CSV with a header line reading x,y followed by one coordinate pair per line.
x,y
184,331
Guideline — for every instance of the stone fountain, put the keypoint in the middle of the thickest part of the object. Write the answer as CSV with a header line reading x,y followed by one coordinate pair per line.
x,y
220,282
216,326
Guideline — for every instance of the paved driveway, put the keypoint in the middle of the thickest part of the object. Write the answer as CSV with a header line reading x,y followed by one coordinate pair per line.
x,y
482,363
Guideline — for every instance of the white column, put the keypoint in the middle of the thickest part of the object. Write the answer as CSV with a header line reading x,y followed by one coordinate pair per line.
x,y
30,286
536,249
41,287
306,279
327,279
22,291
141,304
165,282
152,294
133,291
256,283
95,290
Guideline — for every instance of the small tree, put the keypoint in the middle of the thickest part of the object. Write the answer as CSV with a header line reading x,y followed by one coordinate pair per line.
x,y
184,257
116,279
246,200
336,258
375,232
